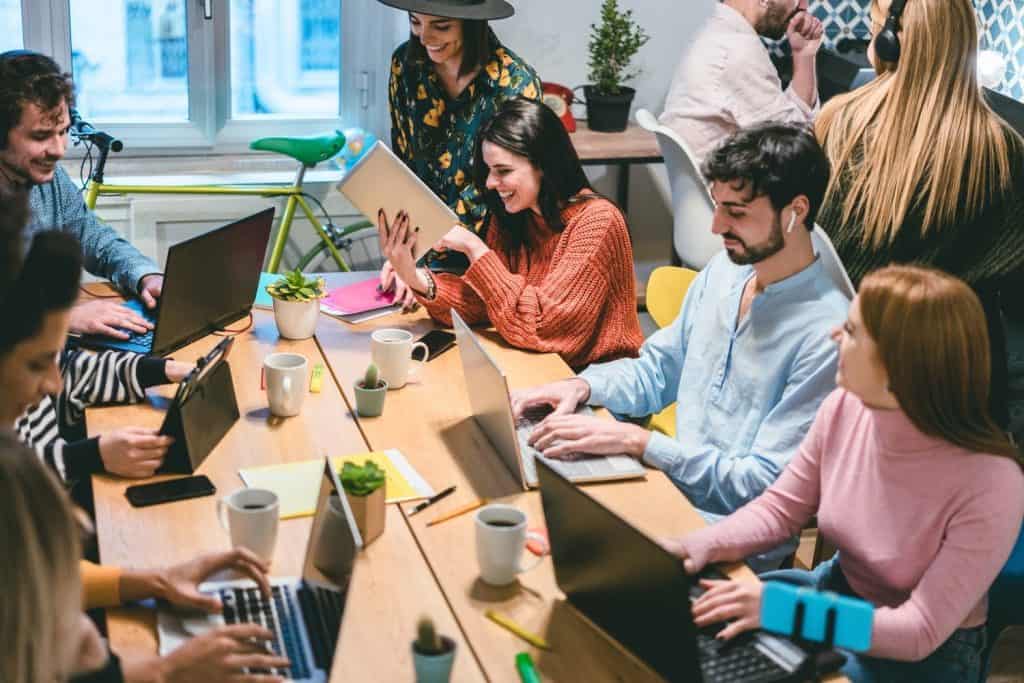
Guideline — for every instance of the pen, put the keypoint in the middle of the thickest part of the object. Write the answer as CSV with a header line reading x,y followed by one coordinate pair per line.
x,y
505,622
527,672
469,507
430,501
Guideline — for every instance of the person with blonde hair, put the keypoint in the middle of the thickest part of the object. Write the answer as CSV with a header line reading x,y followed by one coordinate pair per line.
x,y
907,473
925,171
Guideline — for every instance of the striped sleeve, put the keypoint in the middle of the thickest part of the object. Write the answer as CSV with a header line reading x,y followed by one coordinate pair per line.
x,y
97,379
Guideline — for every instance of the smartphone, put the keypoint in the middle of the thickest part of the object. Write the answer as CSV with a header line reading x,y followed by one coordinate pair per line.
x,y
437,341
170,490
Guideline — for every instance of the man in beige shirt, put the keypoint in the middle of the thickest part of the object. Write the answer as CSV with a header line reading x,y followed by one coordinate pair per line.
x,y
726,81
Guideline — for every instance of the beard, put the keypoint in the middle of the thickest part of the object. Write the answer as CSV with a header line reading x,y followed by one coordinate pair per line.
x,y
776,20
757,252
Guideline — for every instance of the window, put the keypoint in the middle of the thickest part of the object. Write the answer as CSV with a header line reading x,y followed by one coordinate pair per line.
x,y
215,74
10,25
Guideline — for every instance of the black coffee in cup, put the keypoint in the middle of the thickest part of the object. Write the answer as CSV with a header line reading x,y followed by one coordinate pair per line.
x,y
254,506
501,523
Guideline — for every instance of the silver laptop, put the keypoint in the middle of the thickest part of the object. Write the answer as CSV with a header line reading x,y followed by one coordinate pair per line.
x,y
304,613
492,409
382,180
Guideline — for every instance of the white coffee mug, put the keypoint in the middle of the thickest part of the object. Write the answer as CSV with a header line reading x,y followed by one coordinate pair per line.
x,y
392,354
285,375
250,516
500,537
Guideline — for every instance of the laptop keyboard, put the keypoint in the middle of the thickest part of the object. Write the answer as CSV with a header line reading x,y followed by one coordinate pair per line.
x,y
280,615
573,466
141,338
737,660
321,610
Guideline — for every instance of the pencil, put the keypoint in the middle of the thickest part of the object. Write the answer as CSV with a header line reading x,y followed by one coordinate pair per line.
x,y
505,622
468,507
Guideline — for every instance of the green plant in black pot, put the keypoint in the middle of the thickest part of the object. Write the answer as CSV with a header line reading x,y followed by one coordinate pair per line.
x,y
613,43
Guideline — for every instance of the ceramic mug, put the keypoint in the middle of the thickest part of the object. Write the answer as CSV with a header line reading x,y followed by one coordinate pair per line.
x,y
392,351
285,375
500,537
250,516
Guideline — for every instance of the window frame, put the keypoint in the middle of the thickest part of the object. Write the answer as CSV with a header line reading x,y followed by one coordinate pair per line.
x,y
369,33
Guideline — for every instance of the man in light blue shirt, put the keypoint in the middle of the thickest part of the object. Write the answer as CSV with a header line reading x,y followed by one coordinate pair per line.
x,y
749,357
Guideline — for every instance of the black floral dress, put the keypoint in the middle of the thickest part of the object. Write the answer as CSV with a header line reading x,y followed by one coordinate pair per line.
x,y
435,134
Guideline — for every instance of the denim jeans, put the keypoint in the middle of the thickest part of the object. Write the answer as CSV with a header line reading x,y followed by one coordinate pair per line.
x,y
958,660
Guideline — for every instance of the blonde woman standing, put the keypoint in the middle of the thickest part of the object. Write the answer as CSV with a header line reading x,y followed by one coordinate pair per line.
x,y
906,472
925,172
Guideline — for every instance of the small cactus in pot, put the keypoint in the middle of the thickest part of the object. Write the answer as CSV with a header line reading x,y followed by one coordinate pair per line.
x,y
370,392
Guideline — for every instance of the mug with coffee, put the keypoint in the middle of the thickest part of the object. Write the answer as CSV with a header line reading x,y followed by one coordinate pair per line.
x,y
285,375
500,537
251,516
392,351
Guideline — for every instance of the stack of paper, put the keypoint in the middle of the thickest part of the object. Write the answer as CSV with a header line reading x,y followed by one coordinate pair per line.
x,y
358,302
297,484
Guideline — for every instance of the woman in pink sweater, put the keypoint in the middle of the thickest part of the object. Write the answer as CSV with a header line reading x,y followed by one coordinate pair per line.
x,y
909,476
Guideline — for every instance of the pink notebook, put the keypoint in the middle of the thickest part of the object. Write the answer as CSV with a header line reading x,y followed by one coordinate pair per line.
x,y
358,298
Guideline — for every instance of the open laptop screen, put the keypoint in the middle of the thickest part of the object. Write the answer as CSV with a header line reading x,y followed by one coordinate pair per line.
x,y
210,280
619,579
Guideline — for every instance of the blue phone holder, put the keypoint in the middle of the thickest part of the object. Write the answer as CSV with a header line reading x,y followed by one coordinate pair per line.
x,y
819,616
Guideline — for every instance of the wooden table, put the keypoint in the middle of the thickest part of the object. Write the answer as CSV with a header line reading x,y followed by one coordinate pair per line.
x,y
392,584
631,146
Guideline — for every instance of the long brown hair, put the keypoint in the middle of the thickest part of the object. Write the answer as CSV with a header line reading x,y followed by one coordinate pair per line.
x,y
932,339
40,545
920,136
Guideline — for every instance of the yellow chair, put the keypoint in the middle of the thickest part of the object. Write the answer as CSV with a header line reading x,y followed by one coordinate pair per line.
x,y
666,289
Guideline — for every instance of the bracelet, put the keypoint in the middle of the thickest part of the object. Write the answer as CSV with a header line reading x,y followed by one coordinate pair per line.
x,y
431,292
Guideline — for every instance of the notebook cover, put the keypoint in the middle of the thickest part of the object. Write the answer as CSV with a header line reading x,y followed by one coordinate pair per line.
x,y
358,298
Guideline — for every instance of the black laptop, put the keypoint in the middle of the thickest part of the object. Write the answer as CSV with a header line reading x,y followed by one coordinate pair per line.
x,y
639,594
209,283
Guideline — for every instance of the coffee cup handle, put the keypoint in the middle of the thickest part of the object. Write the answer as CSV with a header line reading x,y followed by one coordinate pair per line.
x,y
534,536
414,367
222,507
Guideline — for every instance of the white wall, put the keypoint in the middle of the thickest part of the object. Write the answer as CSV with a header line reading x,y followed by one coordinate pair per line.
x,y
552,35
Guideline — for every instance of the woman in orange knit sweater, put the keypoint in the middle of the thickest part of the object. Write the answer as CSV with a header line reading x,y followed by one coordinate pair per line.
x,y
554,272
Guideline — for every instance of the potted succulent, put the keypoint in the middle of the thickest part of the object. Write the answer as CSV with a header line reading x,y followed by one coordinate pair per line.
x,y
297,304
612,46
365,489
370,393
432,655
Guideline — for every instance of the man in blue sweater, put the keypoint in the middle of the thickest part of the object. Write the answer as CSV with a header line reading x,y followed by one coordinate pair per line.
x,y
35,101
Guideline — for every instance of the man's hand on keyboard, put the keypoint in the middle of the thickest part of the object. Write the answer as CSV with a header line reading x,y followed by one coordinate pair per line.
x,y
738,602
563,397
108,318
561,436
221,655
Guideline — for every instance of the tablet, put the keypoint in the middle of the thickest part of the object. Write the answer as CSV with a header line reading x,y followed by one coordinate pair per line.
x,y
380,179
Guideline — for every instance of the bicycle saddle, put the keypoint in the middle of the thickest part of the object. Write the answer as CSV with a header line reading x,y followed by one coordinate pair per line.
x,y
308,150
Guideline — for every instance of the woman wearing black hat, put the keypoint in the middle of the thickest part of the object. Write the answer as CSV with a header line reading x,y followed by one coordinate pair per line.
x,y
447,80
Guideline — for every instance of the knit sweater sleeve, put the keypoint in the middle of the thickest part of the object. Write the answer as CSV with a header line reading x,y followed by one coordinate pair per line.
x,y
101,585
454,292
559,314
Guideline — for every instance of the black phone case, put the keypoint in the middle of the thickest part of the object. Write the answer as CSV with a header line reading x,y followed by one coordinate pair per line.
x,y
434,353
133,498
199,420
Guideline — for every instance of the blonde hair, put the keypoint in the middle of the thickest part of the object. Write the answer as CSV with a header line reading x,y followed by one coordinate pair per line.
x,y
41,547
920,136
932,339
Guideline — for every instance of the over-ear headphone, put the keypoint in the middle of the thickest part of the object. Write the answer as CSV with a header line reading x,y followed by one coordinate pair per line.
x,y
887,42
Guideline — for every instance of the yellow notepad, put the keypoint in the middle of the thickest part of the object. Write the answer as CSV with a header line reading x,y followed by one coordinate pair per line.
x,y
297,484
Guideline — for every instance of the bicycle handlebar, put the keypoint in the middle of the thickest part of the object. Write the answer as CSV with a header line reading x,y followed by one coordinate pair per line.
x,y
83,130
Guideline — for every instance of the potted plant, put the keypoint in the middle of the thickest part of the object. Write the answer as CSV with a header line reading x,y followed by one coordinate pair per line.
x,y
612,45
364,488
432,655
370,393
297,304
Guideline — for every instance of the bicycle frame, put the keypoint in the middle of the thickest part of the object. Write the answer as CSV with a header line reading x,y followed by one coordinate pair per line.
x,y
96,187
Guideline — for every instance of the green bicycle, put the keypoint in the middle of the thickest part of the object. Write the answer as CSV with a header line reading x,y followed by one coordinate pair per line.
x,y
307,151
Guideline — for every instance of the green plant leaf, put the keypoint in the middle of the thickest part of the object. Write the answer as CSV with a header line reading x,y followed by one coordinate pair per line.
x,y
612,45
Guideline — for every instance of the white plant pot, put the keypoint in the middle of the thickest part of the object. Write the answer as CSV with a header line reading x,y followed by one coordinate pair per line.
x,y
296,319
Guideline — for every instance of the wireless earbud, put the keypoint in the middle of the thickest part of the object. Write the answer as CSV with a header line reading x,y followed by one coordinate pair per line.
x,y
792,222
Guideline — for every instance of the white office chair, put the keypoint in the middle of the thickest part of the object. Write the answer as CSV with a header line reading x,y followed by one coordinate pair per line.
x,y
830,260
691,202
